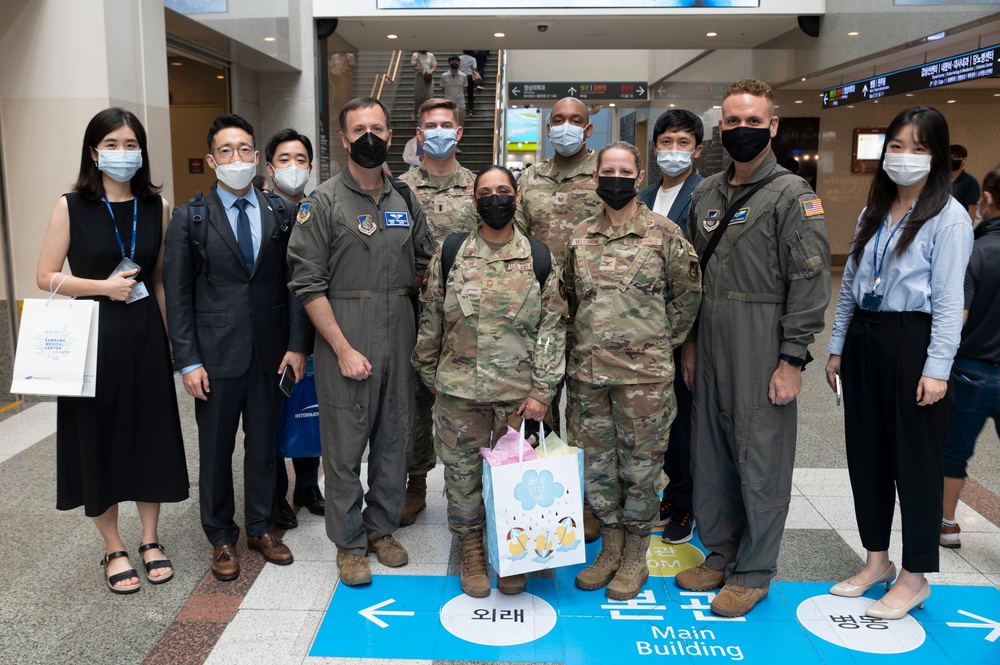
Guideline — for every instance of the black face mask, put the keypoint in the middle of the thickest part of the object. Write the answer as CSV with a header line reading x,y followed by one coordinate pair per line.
x,y
956,164
453,65
496,210
744,143
616,192
369,151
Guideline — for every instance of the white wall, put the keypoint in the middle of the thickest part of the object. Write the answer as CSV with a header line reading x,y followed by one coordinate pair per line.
x,y
582,65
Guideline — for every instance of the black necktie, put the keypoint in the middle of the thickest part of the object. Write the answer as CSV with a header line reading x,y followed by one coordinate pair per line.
x,y
243,238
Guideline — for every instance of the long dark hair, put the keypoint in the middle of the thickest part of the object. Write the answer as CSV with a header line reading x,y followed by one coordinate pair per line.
x,y
932,131
89,182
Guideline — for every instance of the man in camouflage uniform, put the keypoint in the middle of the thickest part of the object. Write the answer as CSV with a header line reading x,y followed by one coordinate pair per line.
x,y
767,286
444,188
357,252
556,195
492,343
620,266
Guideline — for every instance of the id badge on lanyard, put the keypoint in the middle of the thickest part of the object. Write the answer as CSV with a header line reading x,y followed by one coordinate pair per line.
x,y
872,301
127,263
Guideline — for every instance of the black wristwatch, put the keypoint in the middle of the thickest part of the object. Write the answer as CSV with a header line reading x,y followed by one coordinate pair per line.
x,y
792,360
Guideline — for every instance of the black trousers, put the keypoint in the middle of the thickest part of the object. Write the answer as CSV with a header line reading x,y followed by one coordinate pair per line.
x,y
306,474
893,445
255,397
677,461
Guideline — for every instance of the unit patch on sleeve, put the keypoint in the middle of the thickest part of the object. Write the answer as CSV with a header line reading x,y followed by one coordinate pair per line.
x,y
397,219
812,208
304,211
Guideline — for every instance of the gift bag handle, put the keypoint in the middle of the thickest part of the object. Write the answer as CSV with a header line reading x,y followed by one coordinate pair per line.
x,y
52,294
541,436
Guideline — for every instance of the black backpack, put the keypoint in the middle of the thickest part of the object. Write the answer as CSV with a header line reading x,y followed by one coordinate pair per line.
x,y
198,215
541,257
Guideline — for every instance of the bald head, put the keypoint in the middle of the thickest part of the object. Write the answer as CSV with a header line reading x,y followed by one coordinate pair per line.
x,y
571,110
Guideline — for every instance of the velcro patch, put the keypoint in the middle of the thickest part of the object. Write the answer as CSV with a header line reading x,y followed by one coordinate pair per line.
x,y
587,241
644,241
812,208
518,266
397,218
741,216
304,211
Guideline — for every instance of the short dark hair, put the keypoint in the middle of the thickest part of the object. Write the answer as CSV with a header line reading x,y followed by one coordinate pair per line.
x,y
454,57
287,134
991,184
494,167
225,122
959,151
89,181
363,103
679,120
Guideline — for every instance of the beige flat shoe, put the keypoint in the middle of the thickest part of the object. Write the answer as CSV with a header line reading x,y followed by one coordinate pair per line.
x,y
880,611
855,590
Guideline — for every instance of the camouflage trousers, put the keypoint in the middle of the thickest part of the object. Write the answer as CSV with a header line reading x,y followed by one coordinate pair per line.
x,y
423,435
623,431
461,428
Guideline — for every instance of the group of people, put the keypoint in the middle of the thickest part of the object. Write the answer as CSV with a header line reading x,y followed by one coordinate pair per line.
x,y
441,307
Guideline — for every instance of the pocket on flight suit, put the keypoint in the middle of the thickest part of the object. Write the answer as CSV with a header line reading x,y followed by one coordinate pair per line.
x,y
804,255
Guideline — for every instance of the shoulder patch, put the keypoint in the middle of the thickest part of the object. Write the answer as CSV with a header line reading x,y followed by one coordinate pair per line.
x,y
812,208
305,211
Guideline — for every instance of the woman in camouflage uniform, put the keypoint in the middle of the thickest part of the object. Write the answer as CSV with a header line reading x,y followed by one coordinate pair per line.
x,y
492,343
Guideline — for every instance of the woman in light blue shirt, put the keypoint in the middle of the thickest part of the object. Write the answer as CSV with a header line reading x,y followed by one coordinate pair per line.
x,y
897,326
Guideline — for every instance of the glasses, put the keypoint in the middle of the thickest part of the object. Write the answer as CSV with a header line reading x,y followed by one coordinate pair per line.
x,y
244,151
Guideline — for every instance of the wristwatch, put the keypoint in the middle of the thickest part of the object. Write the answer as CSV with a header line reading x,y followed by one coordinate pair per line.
x,y
792,360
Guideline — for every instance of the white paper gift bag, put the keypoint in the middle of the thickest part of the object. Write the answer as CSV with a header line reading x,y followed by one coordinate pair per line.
x,y
534,512
57,348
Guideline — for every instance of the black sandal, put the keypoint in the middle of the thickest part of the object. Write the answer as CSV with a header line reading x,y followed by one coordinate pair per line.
x,y
159,563
118,577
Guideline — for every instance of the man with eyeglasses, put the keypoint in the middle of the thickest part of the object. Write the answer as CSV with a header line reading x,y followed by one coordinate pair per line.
x,y
234,328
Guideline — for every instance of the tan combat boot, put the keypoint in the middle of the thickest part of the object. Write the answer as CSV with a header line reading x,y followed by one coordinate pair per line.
x,y
591,527
633,573
607,563
416,498
354,569
474,580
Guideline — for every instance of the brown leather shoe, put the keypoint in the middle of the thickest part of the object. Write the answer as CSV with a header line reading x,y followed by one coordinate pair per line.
x,y
272,548
225,565
735,600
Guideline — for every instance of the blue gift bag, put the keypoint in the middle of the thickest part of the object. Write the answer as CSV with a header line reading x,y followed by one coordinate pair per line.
x,y
298,425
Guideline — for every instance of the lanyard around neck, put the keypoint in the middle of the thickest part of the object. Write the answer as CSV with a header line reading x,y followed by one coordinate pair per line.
x,y
878,263
114,225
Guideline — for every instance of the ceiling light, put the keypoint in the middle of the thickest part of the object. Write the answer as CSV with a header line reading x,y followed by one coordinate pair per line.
x,y
852,34
176,63
716,107
775,106
997,95
936,36
220,76
909,94
392,36
798,101
270,39
711,34
612,104
499,34
951,101
850,106
803,78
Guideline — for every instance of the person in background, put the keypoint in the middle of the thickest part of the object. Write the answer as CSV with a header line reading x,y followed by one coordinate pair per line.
x,y
677,137
413,153
975,374
518,356
964,187
466,65
125,443
234,328
453,87
445,190
260,182
288,158
620,266
424,66
896,329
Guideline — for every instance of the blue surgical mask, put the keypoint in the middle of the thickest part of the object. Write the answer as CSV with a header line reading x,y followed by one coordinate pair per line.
x,y
673,162
567,139
119,165
440,142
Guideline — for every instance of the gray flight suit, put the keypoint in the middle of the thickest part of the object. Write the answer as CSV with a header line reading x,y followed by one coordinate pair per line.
x,y
363,255
765,292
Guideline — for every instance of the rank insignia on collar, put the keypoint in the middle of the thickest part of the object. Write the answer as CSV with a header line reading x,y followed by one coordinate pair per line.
x,y
304,211
366,225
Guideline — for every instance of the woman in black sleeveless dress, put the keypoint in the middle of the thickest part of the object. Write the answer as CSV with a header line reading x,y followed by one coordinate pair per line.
x,y
125,443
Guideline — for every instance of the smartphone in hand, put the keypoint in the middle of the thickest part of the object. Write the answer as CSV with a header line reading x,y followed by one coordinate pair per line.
x,y
287,381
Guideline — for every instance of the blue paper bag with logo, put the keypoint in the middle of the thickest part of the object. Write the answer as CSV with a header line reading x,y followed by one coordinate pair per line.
x,y
534,511
298,425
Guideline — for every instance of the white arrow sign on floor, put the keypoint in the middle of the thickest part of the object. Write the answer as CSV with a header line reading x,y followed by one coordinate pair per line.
x,y
371,613
986,623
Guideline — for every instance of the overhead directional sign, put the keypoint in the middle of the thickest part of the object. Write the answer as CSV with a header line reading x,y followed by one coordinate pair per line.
x,y
588,91
983,63
687,90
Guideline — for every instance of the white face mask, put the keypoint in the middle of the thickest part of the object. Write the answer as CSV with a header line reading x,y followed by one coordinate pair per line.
x,y
567,139
906,168
673,162
237,175
291,179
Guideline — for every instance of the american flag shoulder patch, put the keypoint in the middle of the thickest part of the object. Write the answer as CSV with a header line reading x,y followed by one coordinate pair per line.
x,y
812,208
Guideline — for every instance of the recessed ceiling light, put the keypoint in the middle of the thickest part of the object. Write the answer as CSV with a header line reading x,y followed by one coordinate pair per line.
x,y
711,34
936,36
716,107
951,101
852,34
998,95
850,106
776,106
612,104
392,36
803,78
876,101
499,34
909,94
798,101
176,63
270,39
220,76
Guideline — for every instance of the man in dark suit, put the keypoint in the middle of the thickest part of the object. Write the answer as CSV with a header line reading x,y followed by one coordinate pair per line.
x,y
677,137
234,327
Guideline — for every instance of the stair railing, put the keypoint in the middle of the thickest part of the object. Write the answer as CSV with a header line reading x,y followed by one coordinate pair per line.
x,y
500,112
386,83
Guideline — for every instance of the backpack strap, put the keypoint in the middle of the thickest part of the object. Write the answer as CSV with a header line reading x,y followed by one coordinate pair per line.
x,y
283,212
541,260
198,218
449,250
407,194
713,242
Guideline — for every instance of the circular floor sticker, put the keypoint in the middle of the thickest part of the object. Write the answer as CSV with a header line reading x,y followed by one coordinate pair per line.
x,y
498,620
842,621
666,560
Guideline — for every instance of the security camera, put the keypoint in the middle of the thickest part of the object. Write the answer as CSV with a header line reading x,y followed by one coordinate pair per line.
x,y
542,27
